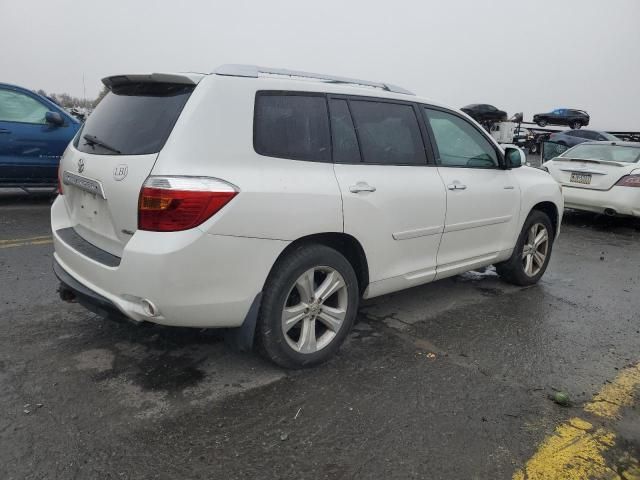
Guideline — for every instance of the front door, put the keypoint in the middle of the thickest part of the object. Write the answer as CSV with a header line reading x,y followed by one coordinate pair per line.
x,y
483,200
393,200
30,148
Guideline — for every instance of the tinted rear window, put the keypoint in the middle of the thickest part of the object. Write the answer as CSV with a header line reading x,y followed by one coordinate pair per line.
x,y
389,133
133,119
345,141
292,126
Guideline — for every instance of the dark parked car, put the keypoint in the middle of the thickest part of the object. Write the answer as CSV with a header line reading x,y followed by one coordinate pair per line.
x,y
482,112
563,116
574,137
34,133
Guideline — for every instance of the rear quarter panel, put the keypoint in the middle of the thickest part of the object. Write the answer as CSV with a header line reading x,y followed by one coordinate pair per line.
x,y
279,198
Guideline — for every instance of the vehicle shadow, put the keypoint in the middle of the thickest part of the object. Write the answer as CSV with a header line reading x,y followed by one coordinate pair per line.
x,y
620,225
12,197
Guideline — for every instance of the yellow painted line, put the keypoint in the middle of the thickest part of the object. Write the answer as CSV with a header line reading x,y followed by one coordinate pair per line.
x,y
22,240
576,450
573,452
613,396
24,244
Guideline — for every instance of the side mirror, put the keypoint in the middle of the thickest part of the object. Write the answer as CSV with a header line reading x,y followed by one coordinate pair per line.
x,y
54,118
514,157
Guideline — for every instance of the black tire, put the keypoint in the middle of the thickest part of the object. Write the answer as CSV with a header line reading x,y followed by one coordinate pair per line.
x,y
513,270
542,122
533,148
270,337
576,125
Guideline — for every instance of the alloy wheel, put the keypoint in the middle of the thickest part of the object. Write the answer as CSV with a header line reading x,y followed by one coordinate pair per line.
x,y
314,309
535,250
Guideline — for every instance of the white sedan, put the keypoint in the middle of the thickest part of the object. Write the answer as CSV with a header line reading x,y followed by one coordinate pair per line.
x,y
601,177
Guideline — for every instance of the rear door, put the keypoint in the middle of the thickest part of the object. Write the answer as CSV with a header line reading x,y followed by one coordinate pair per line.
x,y
483,200
393,199
114,153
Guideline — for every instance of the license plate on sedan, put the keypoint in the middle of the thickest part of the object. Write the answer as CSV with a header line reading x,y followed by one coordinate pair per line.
x,y
584,178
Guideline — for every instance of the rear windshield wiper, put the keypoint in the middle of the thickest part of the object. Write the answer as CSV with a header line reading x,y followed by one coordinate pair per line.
x,y
93,140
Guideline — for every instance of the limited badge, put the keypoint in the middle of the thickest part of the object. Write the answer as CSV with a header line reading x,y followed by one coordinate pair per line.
x,y
120,172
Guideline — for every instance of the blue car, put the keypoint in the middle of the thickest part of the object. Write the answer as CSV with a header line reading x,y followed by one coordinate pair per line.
x,y
34,133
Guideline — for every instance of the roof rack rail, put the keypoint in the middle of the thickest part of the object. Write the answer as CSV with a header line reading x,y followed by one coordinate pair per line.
x,y
253,71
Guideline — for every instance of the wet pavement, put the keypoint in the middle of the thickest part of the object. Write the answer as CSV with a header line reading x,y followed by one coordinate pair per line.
x,y
449,380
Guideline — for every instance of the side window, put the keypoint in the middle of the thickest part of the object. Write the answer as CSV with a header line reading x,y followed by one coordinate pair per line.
x,y
18,107
345,142
459,143
389,133
588,135
292,126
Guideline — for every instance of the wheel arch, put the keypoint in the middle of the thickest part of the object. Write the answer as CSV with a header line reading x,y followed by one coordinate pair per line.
x,y
344,243
551,210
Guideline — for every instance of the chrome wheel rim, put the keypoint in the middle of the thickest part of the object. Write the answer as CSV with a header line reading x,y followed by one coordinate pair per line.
x,y
535,250
314,310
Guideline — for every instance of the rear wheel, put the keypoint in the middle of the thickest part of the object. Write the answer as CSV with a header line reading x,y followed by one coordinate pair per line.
x,y
576,124
542,122
531,254
309,305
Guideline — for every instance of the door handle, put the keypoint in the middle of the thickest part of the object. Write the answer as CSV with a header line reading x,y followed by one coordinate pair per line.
x,y
4,130
361,187
456,186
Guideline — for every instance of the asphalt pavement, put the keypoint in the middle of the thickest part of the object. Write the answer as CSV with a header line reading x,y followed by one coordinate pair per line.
x,y
450,380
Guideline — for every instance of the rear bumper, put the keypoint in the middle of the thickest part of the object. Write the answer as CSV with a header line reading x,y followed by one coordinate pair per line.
x,y
622,200
193,279
84,296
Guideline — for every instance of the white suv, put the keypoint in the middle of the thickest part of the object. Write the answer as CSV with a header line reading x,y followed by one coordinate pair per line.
x,y
270,201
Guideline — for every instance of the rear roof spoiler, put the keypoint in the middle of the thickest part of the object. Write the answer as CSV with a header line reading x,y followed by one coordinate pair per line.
x,y
177,78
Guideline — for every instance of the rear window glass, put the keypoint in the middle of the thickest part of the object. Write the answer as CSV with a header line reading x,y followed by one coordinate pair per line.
x,y
292,126
616,153
389,133
133,119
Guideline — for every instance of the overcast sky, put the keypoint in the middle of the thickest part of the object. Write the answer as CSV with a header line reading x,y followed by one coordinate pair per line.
x,y
529,56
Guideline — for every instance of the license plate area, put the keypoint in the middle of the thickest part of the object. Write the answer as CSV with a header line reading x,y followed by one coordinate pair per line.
x,y
582,178
90,205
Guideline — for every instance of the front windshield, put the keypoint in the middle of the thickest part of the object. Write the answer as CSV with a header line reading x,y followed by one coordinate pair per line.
x,y
592,151
608,136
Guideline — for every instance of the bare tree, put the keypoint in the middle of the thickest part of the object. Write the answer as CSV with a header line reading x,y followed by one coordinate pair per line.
x,y
101,95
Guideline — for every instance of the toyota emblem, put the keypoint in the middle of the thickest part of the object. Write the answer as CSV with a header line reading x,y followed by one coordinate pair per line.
x,y
80,166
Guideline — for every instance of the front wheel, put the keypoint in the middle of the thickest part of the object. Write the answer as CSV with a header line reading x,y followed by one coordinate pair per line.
x,y
532,252
542,123
576,125
309,304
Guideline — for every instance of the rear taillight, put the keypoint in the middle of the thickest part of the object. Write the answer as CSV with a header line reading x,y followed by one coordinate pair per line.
x,y
629,181
171,204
